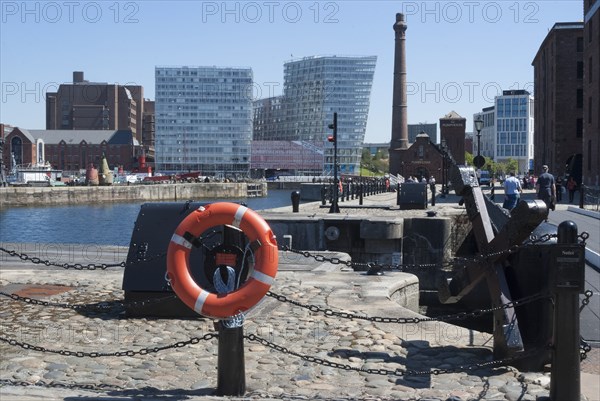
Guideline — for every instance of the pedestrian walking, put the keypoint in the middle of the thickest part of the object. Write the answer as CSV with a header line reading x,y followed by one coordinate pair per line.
x,y
571,187
512,191
546,188
559,189
432,185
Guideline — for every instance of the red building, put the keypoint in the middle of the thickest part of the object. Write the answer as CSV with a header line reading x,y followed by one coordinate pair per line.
x,y
452,131
71,150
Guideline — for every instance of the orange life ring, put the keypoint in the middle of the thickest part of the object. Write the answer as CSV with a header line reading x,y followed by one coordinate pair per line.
x,y
258,283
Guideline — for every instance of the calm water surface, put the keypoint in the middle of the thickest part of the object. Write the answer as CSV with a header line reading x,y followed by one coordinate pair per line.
x,y
108,224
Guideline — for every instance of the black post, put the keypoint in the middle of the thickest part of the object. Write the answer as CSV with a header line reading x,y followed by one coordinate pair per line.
x,y
360,193
335,208
568,281
295,201
581,196
432,186
231,376
323,194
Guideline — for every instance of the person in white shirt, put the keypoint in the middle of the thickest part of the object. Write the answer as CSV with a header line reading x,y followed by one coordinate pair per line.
x,y
512,191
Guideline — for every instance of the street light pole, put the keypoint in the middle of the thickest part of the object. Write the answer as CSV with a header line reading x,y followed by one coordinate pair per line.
x,y
479,161
444,172
333,138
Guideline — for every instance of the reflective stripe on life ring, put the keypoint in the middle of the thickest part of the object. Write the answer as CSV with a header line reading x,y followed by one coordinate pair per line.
x,y
260,280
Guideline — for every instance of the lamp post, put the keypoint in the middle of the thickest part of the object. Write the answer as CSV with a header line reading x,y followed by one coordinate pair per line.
x,y
479,160
2,178
333,138
444,172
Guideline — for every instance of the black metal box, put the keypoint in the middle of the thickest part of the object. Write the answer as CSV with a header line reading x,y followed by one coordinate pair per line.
x,y
412,196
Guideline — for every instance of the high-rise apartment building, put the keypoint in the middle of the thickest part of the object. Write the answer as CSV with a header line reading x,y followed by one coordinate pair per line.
x,y
317,87
203,119
85,105
508,129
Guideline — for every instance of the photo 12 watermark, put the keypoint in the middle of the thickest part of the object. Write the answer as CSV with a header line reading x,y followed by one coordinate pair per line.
x,y
35,92
53,12
453,12
254,12
468,91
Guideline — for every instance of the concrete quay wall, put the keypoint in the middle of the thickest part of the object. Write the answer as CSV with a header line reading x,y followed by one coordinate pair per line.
x,y
37,196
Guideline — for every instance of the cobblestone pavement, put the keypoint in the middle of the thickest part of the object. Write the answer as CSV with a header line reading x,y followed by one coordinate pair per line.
x,y
190,372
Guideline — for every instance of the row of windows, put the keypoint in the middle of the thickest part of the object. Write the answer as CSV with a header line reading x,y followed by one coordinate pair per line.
x,y
211,81
503,138
511,150
203,72
512,124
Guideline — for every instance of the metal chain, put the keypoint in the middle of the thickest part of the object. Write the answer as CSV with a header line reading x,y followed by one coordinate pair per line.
x,y
104,305
457,261
317,257
349,263
585,301
70,386
76,266
584,348
387,372
82,354
403,320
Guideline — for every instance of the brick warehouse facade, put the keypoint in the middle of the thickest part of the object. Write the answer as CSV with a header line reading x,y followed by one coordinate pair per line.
x,y
591,93
71,150
558,80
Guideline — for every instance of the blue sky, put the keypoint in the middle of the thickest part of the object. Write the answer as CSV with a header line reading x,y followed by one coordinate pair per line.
x,y
460,54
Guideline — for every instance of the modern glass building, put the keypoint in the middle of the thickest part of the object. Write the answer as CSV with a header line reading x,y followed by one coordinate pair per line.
x,y
508,129
203,120
314,88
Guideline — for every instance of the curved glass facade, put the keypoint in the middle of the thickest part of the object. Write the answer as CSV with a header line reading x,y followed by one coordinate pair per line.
x,y
315,88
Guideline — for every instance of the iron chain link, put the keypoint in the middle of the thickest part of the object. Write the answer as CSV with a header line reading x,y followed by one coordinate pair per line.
x,y
83,354
105,305
406,320
75,266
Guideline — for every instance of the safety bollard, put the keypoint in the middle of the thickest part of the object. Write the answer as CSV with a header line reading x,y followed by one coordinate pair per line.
x,y
323,195
581,196
295,201
360,194
568,279
432,186
231,375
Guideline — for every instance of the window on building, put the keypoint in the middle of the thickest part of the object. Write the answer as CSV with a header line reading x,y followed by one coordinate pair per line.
x,y
579,128
590,70
580,70
579,98
589,110
580,44
590,31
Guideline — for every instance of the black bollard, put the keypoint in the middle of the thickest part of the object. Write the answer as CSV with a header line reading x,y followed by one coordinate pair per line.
x,y
568,279
360,194
295,201
432,186
323,195
581,196
231,376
